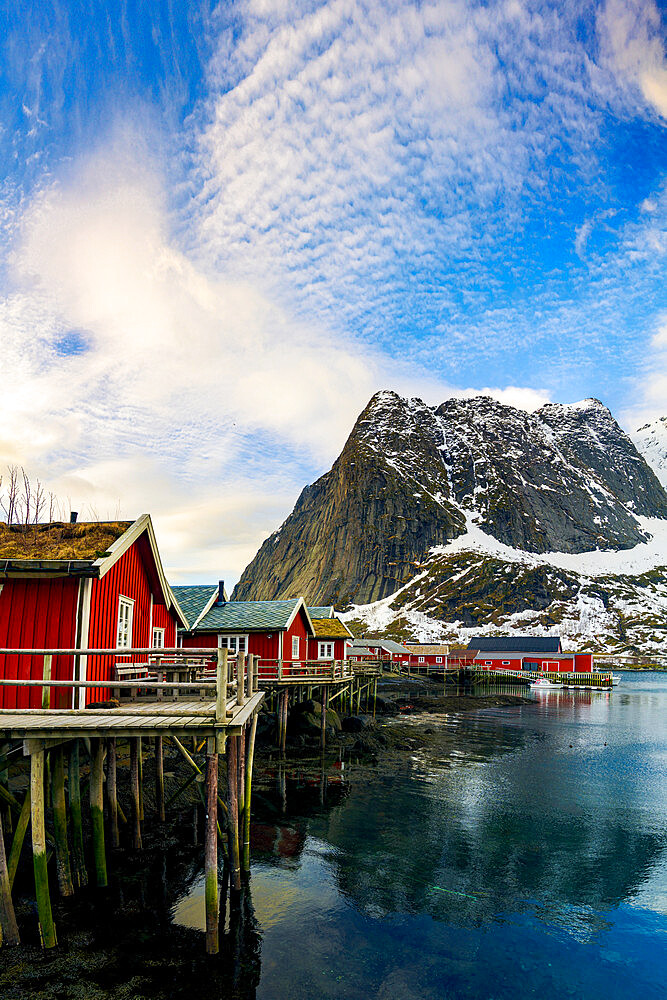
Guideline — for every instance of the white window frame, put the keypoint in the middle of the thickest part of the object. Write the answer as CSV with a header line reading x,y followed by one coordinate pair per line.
x,y
438,659
295,647
158,633
233,642
488,663
124,622
325,650
506,663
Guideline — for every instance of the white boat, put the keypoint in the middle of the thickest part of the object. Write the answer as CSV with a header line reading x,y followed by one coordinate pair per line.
x,y
544,682
615,680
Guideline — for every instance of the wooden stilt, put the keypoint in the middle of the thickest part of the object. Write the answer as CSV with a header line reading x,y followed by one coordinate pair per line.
x,y
19,836
97,811
242,750
323,720
233,810
46,925
74,789
250,753
60,822
279,719
159,779
5,810
285,709
375,695
134,783
141,779
112,792
9,931
211,854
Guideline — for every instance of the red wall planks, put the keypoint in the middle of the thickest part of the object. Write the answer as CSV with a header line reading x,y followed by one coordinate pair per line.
x,y
164,618
37,613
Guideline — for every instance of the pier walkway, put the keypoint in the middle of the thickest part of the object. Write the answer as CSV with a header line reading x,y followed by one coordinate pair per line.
x,y
215,702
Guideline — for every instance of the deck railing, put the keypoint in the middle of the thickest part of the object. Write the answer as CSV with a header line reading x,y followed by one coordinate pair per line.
x,y
229,681
304,671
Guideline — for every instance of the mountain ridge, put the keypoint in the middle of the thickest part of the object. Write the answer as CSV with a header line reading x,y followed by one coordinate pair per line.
x,y
563,478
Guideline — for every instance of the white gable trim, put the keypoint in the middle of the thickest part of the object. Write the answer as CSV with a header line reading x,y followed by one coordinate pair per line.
x,y
301,604
126,541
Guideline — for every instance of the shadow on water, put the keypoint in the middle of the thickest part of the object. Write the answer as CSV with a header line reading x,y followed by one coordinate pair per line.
x,y
124,942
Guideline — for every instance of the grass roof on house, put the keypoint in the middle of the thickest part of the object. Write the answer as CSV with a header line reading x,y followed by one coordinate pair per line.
x,y
330,628
60,540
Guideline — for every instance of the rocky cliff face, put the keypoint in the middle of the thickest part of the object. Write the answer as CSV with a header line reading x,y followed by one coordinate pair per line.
x,y
412,478
651,442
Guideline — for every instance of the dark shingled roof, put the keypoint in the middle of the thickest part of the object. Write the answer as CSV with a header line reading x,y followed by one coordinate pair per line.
x,y
194,599
322,612
250,616
517,644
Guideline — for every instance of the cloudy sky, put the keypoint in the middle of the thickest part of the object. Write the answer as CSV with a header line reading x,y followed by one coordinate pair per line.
x,y
225,226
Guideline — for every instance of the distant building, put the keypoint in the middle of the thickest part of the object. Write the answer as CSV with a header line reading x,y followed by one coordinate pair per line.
x,y
428,654
534,653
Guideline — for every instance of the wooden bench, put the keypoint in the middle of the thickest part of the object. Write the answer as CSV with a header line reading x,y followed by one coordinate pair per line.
x,y
131,672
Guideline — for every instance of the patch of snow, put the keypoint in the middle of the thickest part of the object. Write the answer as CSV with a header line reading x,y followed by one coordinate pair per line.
x,y
632,562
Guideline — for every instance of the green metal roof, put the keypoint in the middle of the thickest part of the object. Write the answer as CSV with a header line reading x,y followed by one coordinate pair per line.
x,y
193,600
249,616
325,612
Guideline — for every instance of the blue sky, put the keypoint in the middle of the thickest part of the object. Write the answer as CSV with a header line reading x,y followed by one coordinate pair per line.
x,y
225,226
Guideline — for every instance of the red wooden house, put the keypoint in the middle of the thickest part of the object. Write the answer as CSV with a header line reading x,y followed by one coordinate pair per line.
x,y
332,637
423,654
533,653
274,630
96,585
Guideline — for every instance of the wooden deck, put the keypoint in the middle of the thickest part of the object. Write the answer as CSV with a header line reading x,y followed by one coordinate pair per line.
x,y
140,719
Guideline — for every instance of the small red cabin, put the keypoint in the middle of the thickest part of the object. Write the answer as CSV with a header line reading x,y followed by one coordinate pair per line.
x,y
274,630
424,654
97,585
332,636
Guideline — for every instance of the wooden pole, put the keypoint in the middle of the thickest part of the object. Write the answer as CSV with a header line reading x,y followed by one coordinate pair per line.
x,y
5,811
242,738
211,854
97,811
375,695
19,836
221,678
9,931
323,720
134,783
285,712
141,778
159,779
74,789
112,792
46,676
240,678
233,810
250,754
46,925
60,822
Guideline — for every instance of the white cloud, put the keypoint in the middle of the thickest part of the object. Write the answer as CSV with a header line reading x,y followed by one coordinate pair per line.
x,y
632,36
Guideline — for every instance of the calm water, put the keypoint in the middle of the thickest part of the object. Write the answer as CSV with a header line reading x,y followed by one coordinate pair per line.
x,y
524,853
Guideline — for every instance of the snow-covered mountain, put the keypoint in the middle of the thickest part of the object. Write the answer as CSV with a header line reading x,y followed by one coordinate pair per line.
x,y
651,442
476,516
